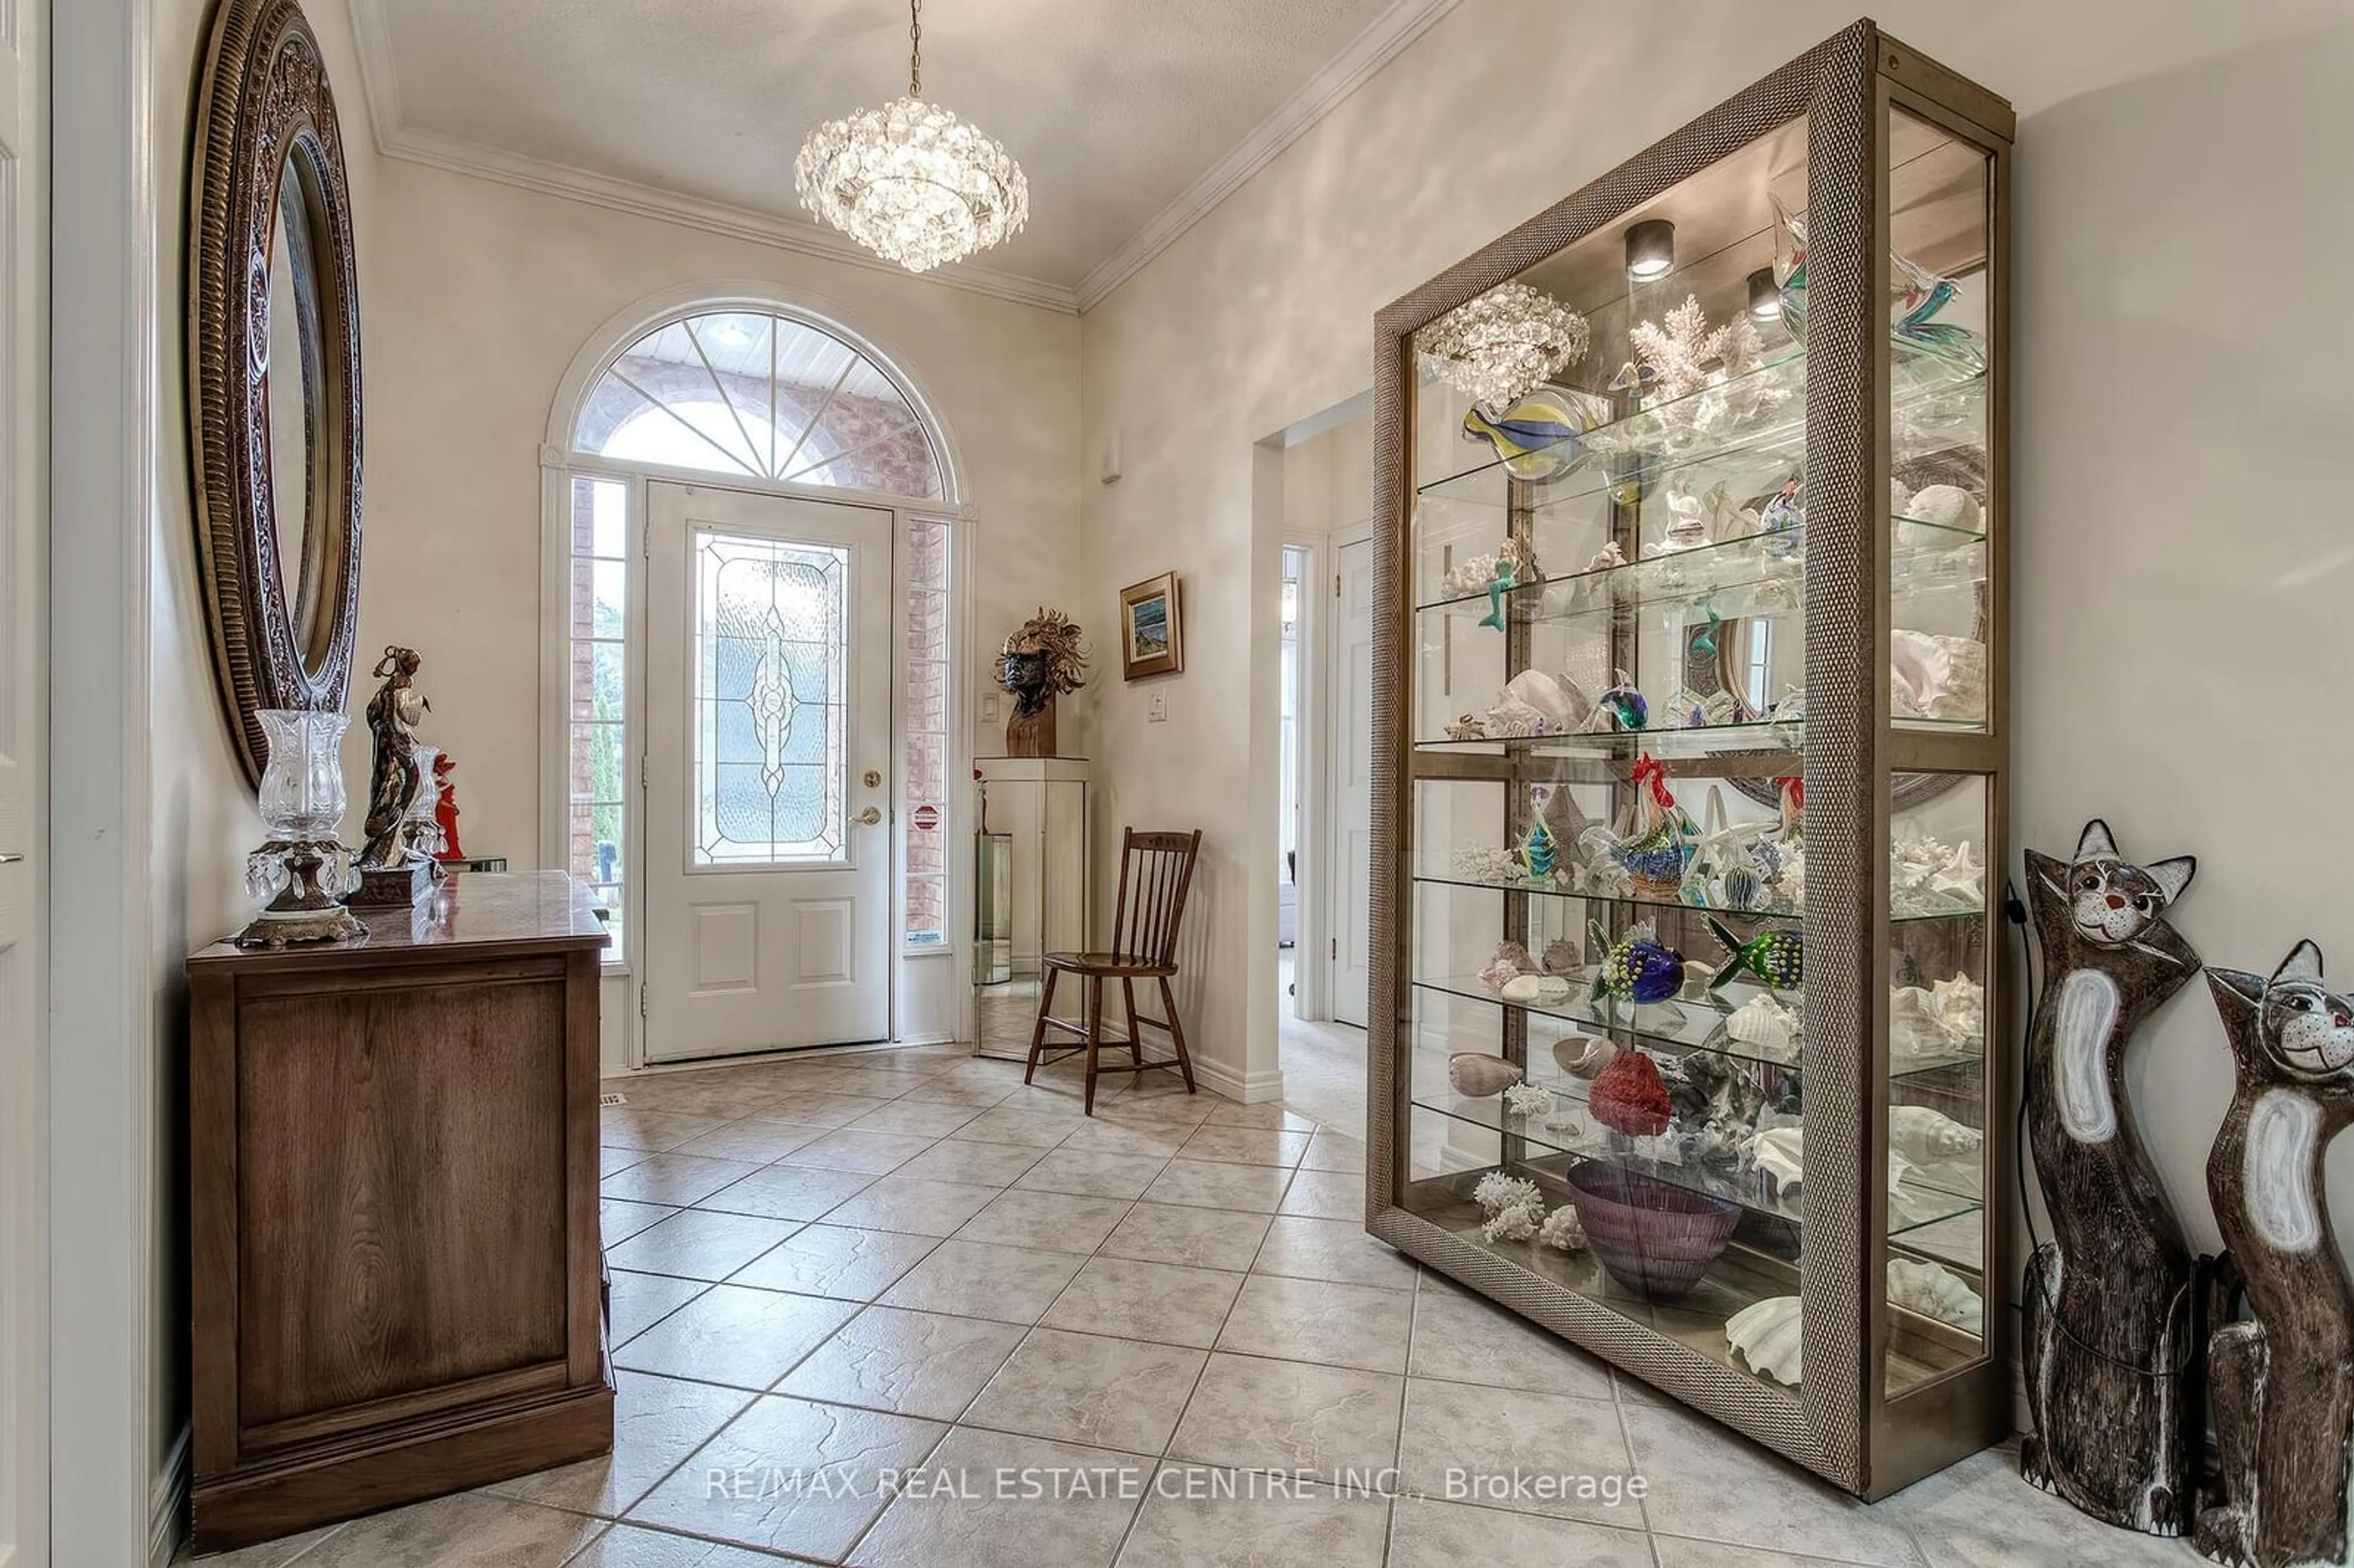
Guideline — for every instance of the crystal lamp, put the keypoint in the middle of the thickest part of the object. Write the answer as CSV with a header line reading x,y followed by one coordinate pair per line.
x,y
1500,347
910,181
303,869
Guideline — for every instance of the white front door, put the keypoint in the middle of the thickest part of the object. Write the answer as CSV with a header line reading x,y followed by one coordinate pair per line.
x,y
24,820
1351,837
768,773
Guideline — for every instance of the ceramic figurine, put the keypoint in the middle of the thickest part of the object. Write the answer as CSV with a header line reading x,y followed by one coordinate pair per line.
x,y
1784,521
445,808
2283,1381
1767,1335
1636,967
1776,957
1475,1074
2107,1325
395,782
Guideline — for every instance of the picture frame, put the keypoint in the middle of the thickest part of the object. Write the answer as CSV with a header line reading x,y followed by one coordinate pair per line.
x,y
1151,629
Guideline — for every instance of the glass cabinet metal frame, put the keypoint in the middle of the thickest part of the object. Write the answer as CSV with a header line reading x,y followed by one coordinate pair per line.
x,y
1844,1422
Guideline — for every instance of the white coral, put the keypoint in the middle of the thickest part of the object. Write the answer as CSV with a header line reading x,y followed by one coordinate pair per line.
x,y
1528,1099
1497,1192
1512,1224
1562,1232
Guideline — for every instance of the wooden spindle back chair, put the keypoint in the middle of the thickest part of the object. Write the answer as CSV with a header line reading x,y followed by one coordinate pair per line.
x,y
1156,873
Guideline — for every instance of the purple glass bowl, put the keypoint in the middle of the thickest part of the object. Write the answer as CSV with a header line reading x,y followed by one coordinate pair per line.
x,y
1655,1238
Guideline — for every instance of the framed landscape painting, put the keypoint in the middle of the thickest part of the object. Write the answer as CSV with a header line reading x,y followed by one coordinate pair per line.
x,y
1152,634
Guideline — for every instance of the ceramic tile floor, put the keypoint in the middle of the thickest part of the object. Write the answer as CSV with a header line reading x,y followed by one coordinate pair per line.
x,y
1168,1319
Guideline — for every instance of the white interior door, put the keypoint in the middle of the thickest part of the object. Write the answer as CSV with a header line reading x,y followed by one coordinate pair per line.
x,y
1348,835
768,773
24,820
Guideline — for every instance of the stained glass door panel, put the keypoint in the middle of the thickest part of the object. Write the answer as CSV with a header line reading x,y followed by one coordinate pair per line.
x,y
769,781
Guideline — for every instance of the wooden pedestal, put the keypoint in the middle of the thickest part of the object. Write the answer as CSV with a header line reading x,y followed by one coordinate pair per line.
x,y
393,1210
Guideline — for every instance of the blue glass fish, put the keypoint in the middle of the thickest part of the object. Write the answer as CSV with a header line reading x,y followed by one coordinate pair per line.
x,y
1774,956
1636,967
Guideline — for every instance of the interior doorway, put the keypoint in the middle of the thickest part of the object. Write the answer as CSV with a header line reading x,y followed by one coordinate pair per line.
x,y
768,765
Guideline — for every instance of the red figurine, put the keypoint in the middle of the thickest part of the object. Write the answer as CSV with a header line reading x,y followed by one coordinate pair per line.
x,y
1629,1097
445,808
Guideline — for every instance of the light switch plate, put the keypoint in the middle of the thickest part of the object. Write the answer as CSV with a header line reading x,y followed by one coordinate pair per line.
x,y
1156,709
988,707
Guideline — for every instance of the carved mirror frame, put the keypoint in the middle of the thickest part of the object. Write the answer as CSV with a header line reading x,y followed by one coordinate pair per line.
x,y
265,107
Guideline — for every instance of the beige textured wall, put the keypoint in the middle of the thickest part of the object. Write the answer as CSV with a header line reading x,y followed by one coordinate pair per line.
x,y
2180,432
203,814
481,294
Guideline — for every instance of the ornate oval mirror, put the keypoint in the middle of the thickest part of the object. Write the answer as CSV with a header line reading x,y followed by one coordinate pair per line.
x,y
275,372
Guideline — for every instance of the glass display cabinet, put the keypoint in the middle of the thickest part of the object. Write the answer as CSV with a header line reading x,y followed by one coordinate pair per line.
x,y
1688,994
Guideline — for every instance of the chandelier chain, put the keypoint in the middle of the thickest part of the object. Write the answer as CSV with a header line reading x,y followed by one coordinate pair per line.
x,y
914,49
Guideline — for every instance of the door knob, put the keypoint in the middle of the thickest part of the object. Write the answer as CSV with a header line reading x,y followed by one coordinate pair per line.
x,y
872,815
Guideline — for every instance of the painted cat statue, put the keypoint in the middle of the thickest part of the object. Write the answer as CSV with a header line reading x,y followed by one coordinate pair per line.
x,y
2109,1321
2281,1385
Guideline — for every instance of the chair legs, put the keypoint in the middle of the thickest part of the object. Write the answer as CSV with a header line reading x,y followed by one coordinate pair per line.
x,y
1095,1035
1038,1030
1177,1033
1135,1035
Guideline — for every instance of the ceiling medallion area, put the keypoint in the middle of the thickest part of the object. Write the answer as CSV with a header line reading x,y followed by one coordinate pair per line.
x,y
910,181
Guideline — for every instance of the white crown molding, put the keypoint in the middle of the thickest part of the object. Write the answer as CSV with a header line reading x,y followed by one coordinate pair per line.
x,y
1382,41
1374,48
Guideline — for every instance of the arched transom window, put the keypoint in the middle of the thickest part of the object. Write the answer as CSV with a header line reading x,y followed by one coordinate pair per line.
x,y
749,393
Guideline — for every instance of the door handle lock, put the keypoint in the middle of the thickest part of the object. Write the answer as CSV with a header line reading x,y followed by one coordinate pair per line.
x,y
874,779
872,815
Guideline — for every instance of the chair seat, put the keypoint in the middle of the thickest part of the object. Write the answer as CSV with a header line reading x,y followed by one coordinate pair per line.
x,y
1116,965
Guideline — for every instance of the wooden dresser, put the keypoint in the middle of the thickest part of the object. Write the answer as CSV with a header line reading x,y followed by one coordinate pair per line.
x,y
393,1209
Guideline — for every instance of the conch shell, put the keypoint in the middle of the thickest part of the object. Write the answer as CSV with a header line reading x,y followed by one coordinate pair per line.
x,y
1925,1136
1767,1335
1769,1029
1937,677
1934,1291
1561,956
1582,1055
1477,1074
1556,700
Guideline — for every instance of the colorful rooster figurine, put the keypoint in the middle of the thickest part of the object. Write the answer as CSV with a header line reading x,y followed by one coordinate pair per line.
x,y
1636,967
1774,956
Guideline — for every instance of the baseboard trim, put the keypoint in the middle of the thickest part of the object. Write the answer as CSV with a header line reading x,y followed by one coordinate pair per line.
x,y
167,1504
1250,1089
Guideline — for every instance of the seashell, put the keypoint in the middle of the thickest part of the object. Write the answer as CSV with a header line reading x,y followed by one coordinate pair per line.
x,y
1478,1075
1582,1055
1947,505
1609,555
1925,1136
1781,1152
1960,1006
1470,726
1561,956
1937,677
1554,698
1512,719
1537,991
1914,1034
1769,1029
1768,1338
1935,1291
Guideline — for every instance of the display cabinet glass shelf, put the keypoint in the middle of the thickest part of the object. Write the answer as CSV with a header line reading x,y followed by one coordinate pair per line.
x,y
1691,695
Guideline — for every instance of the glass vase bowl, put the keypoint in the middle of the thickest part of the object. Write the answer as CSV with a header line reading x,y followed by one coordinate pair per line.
x,y
303,787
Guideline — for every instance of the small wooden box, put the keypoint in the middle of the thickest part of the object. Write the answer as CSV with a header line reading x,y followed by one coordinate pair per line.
x,y
398,1275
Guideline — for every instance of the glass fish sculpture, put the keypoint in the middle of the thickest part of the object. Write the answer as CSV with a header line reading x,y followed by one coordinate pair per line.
x,y
1916,296
1774,956
1636,967
1538,437
1538,855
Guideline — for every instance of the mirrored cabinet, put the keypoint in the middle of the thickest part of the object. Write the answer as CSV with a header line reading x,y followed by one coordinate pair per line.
x,y
1691,707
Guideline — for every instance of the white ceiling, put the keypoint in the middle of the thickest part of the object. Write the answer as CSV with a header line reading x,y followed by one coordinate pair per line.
x,y
1129,116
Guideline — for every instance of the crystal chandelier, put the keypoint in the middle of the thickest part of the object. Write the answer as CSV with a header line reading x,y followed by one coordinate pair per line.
x,y
1500,347
910,181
